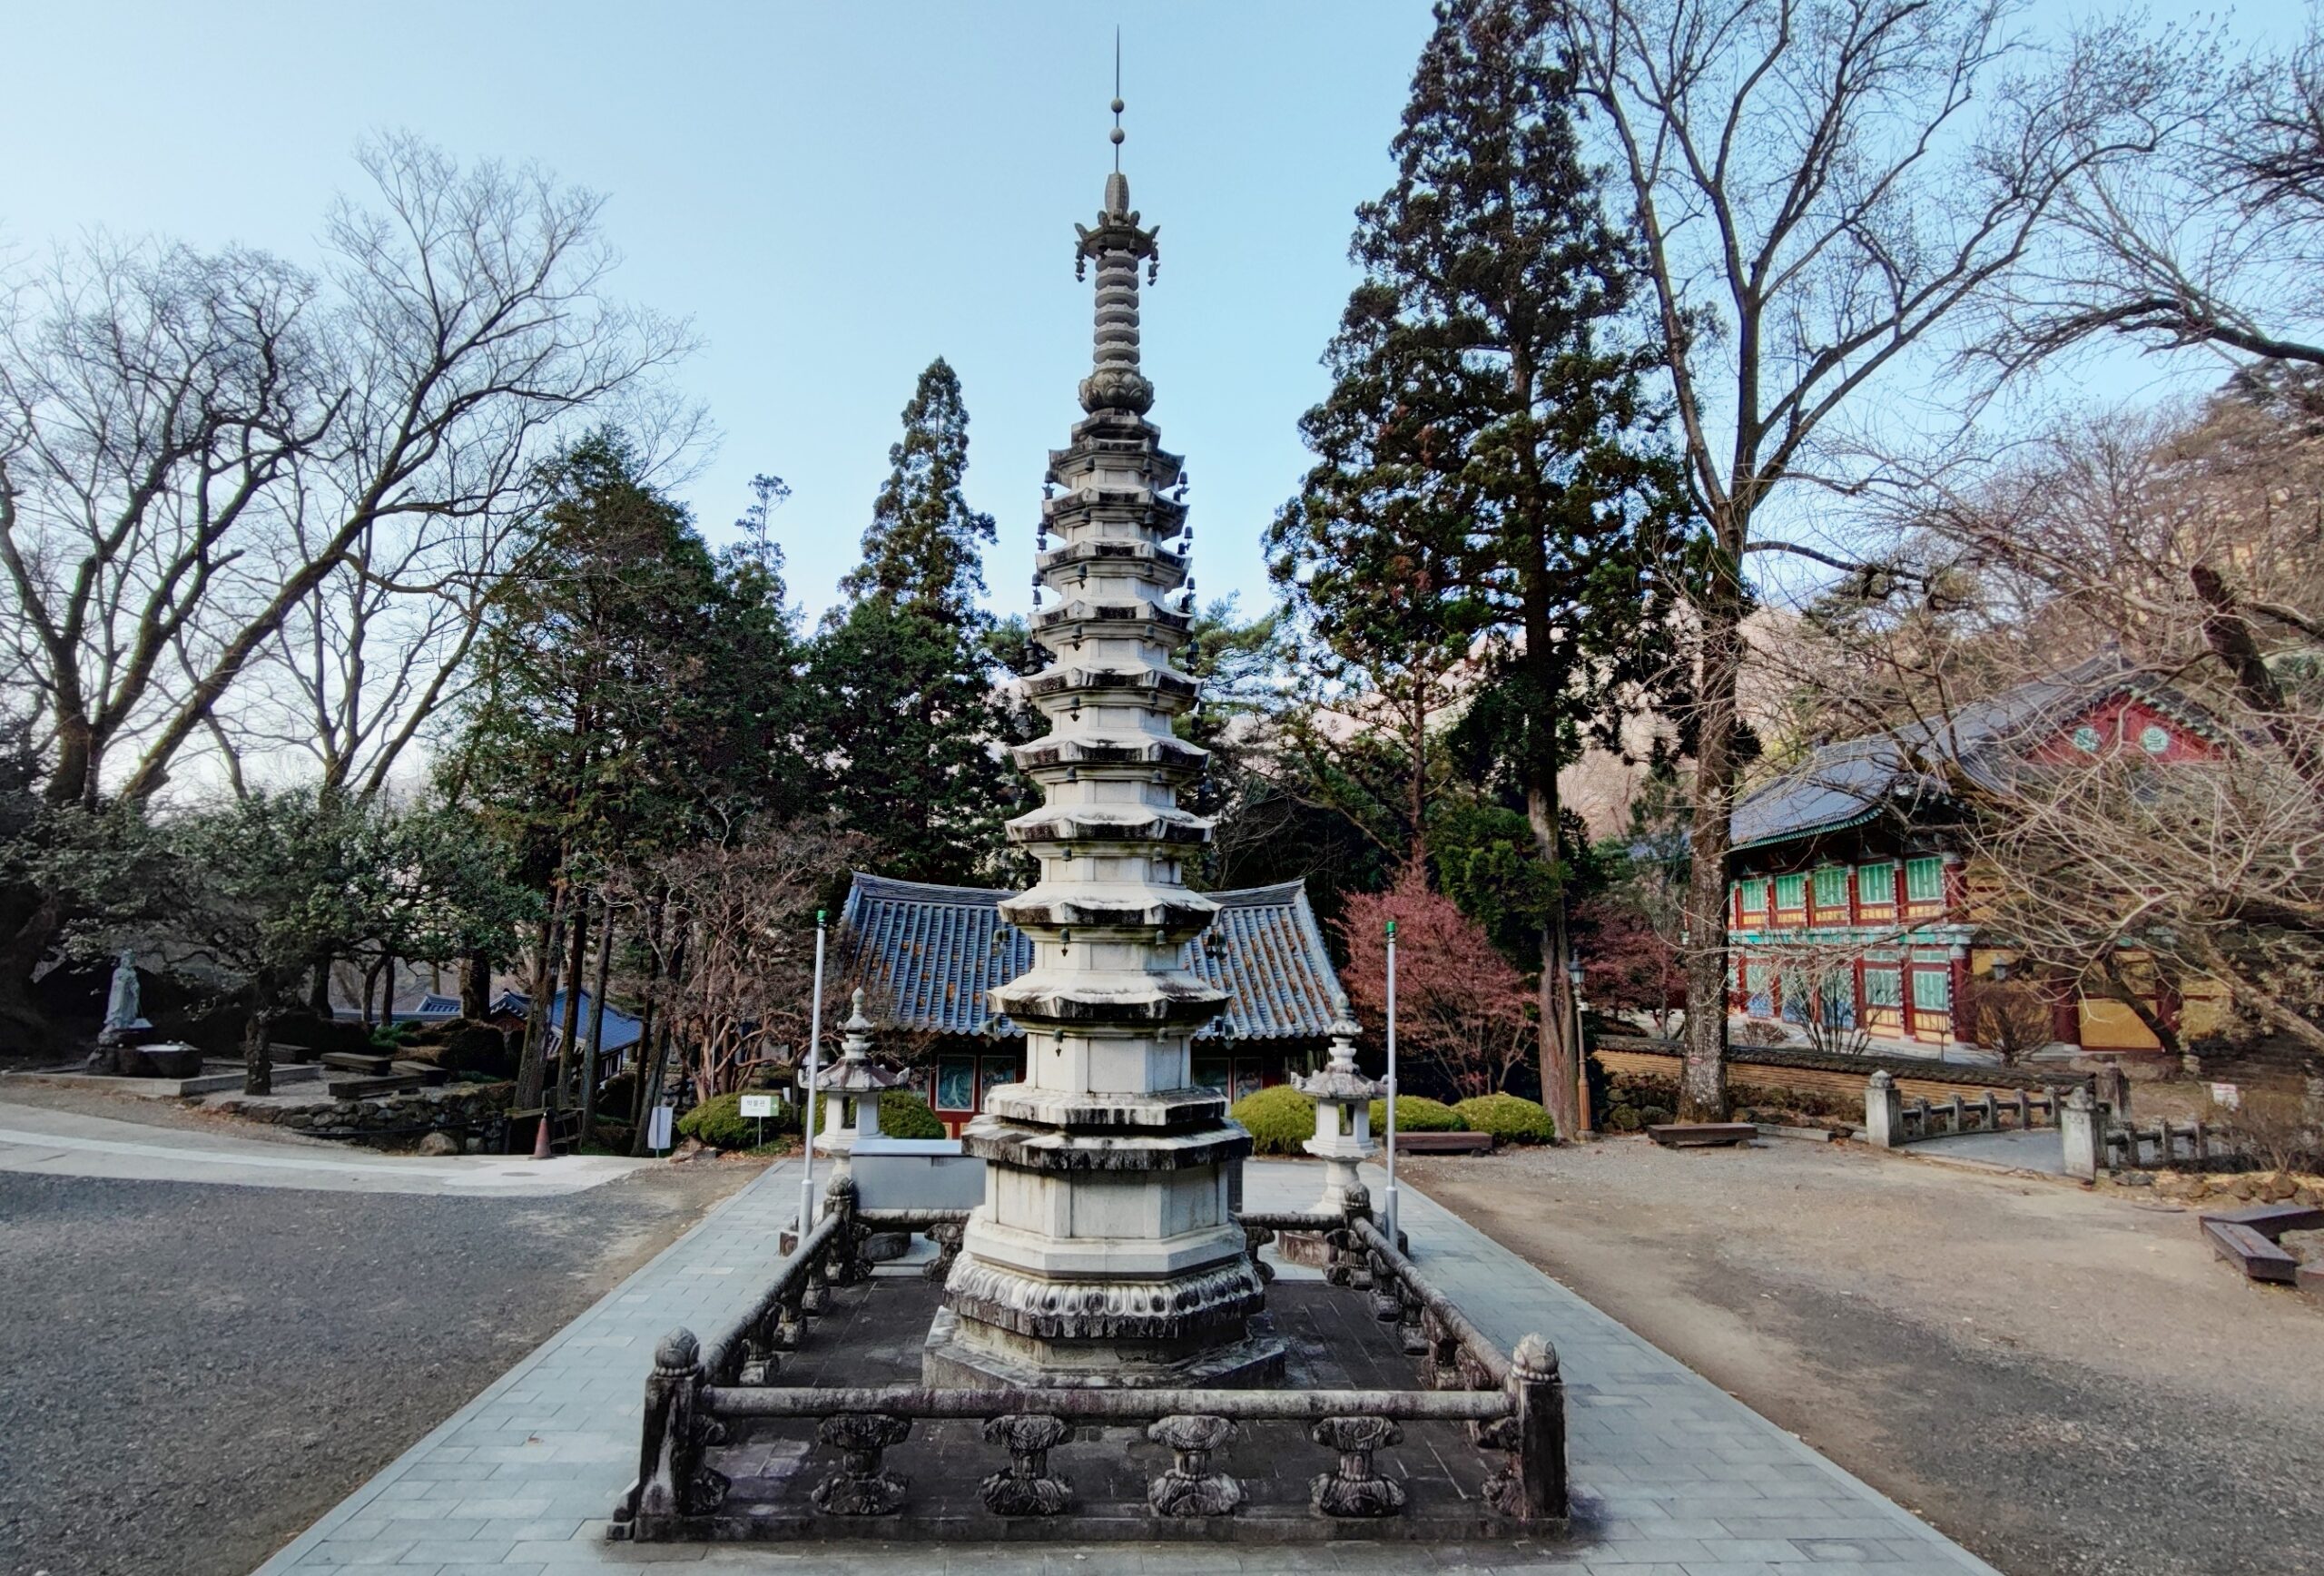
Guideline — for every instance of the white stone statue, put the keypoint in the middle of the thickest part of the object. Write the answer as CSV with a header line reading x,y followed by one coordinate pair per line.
x,y
120,1005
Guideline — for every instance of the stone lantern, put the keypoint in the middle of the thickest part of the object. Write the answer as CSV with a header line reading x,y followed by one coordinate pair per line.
x,y
1343,1097
851,1088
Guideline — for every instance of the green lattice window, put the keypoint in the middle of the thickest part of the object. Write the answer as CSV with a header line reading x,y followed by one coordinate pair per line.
x,y
1882,988
1877,883
1832,888
1924,880
1755,896
1932,990
1791,892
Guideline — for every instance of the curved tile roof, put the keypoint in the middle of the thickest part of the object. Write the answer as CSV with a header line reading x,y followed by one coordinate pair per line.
x,y
927,955
1853,780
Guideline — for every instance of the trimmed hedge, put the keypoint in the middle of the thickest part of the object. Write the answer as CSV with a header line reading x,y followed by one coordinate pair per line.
x,y
1510,1118
1279,1119
1417,1114
719,1123
904,1115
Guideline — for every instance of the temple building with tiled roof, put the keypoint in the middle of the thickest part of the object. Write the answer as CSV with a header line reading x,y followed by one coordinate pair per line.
x,y
928,956
1853,908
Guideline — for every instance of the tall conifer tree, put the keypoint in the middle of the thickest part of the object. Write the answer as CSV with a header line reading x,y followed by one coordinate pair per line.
x,y
905,675
1487,468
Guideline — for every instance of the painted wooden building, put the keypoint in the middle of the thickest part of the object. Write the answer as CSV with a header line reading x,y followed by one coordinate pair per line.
x,y
926,956
1851,902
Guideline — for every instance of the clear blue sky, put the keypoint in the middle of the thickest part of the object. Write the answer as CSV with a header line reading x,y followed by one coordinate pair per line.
x,y
834,193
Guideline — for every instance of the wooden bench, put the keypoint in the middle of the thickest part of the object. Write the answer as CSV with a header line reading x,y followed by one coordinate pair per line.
x,y
2259,1258
1443,1143
1701,1135
2272,1220
357,1089
435,1077
364,1062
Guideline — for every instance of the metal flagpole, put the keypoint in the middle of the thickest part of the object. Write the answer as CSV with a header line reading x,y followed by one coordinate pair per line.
x,y
807,1101
1388,1204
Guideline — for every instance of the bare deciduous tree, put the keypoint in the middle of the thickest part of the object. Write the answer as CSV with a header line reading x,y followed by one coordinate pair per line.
x,y
2178,558
192,446
2218,243
1820,190
735,946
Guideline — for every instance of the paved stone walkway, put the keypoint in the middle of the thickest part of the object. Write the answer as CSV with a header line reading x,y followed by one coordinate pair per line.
x,y
2039,1150
56,1143
1673,1477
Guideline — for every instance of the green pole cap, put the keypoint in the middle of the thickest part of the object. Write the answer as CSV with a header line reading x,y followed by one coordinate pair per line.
x,y
819,917
1392,927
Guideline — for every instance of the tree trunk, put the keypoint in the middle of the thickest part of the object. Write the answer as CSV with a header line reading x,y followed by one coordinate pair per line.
x,y
597,1025
569,1025
645,1026
531,1061
1702,1081
258,1038
318,987
2229,635
476,987
650,1083
29,922
372,992
1556,1023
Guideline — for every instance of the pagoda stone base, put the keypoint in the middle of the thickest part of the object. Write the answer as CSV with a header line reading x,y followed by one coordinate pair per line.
x,y
963,1354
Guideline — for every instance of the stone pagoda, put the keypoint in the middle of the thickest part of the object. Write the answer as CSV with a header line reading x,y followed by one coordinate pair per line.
x,y
1107,1251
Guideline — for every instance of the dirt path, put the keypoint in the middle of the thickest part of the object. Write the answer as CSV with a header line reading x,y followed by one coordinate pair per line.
x,y
2067,1383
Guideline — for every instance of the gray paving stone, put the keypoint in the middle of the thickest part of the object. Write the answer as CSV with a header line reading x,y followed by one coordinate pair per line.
x,y
1672,1476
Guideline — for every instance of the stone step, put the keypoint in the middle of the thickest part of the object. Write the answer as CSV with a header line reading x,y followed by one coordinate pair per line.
x,y
1701,1135
1443,1143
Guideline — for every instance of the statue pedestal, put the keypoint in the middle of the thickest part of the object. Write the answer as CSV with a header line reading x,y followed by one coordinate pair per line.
x,y
951,1360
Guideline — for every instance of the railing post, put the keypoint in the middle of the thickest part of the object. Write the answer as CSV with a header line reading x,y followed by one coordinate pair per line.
x,y
2078,1129
1884,1111
1533,1486
1026,1489
847,1263
671,1478
946,1236
860,1487
1355,1489
1189,1488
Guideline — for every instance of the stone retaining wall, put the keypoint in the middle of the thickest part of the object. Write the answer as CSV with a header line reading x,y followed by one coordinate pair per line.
x,y
1820,1074
466,1111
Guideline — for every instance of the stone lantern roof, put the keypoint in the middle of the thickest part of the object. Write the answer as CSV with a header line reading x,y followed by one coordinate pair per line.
x,y
1339,1082
855,1073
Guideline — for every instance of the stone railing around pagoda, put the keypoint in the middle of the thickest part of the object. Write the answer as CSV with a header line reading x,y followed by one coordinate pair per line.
x,y
702,1396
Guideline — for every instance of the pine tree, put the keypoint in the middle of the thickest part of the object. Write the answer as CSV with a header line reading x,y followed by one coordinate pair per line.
x,y
905,677
924,548
1488,474
635,690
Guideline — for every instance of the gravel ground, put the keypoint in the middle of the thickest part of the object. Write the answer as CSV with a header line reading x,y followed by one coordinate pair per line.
x,y
2065,1381
191,1373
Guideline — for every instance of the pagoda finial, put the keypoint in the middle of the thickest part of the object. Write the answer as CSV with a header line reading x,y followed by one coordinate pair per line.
x,y
1119,245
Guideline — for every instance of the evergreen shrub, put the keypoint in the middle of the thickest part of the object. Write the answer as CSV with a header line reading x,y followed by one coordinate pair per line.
x,y
904,1115
1279,1119
1510,1118
719,1122
1417,1114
